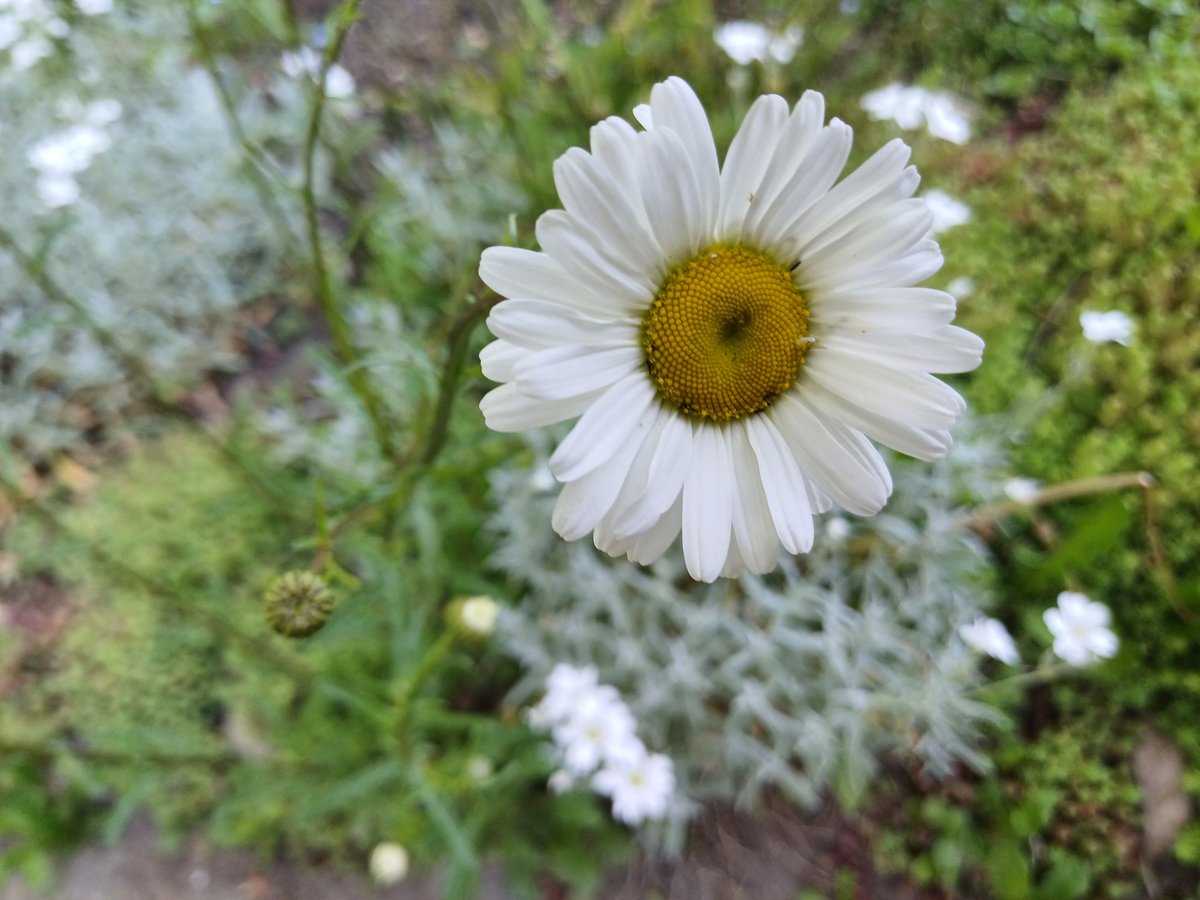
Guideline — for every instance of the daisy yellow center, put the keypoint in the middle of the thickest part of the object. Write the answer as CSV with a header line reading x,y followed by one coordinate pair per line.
x,y
726,333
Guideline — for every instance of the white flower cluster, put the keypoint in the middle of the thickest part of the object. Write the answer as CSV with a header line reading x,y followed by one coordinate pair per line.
x,y
28,28
1079,626
746,42
596,735
60,157
1103,327
306,62
948,212
910,107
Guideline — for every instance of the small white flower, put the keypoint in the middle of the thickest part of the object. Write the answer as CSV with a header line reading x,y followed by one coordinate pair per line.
x,y
389,863
961,287
1022,490
26,53
55,190
305,61
94,7
1101,327
837,528
480,768
947,211
561,781
745,42
339,83
640,788
910,107
479,614
1080,629
600,730
566,688
68,152
991,637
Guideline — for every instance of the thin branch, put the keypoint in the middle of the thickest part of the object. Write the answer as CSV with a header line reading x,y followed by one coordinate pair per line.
x,y
1068,490
339,330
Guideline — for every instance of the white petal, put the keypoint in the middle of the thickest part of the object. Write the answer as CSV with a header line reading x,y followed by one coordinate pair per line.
x,y
798,137
669,467
584,502
707,505
613,419
947,350
870,245
771,223
581,254
571,369
539,324
615,146
506,409
747,160
588,195
671,197
909,309
676,106
753,528
913,398
512,272
786,493
499,359
923,443
842,462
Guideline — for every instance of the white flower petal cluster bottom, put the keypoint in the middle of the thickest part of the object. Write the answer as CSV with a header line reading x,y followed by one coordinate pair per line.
x,y
639,471
1081,631
595,735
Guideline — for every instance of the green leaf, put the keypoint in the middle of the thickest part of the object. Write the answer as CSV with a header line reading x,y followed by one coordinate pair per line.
x,y
1009,872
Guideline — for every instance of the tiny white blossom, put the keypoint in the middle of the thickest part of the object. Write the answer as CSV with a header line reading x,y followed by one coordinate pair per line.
x,y
339,83
746,42
55,190
566,688
947,211
991,637
94,7
1080,629
961,287
27,52
910,107
561,781
1022,490
389,863
1101,327
640,788
600,730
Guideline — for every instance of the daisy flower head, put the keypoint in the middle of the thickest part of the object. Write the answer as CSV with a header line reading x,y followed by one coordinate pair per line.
x,y
731,337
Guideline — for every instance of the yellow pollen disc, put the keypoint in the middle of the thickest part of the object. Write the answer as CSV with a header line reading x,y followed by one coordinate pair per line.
x,y
726,333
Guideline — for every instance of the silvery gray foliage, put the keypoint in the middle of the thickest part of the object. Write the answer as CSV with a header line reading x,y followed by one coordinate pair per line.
x,y
799,680
164,240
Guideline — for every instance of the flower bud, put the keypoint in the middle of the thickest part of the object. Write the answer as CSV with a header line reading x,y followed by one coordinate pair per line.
x,y
389,863
473,618
298,603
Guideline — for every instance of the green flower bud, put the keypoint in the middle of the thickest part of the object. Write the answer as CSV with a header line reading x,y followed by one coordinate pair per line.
x,y
473,618
298,603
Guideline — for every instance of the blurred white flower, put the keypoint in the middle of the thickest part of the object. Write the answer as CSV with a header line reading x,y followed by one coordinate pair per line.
x,y
991,637
57,190
601,730
561,781
837,528
94,7
1101,327
1080,629
306,63
389,863
1022,490
27,53
747,41
566,687
640,788
961,287
99,113
480,768
910,106
948,212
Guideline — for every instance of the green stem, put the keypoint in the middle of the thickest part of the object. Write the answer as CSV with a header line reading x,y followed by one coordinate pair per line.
x,y
413,684
339,329
1028,679
459,341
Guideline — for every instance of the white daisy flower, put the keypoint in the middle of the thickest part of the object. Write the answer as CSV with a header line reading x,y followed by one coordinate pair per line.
x,y
1080,629
640,788
991,637
729,337
1102,327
